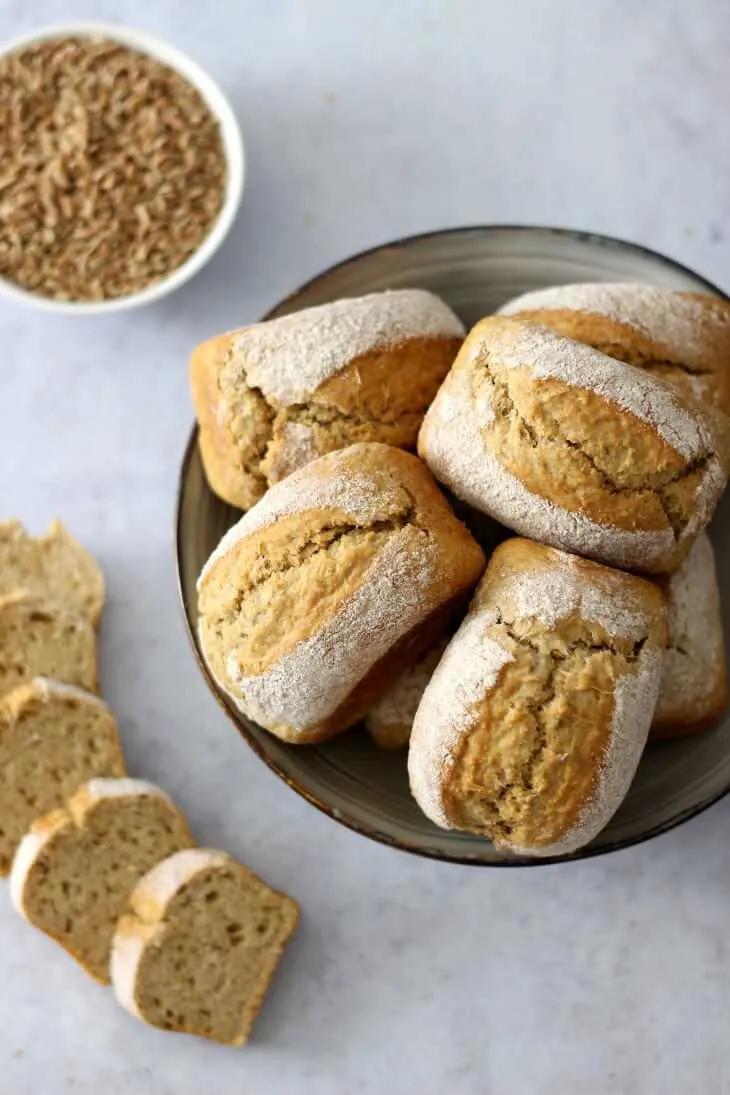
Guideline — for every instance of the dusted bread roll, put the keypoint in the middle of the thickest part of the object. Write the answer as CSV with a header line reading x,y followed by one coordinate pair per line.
x,y
389,722
682,337
693,691
573,448
532,726
271,397
331,585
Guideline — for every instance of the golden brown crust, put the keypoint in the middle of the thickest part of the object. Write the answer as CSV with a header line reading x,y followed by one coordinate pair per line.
x,y
248,441
365,525
553,729
693,694
705,376
713,709
539,431
231,467
389,722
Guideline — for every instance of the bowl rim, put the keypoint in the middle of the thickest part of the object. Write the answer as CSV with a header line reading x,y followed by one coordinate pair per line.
x,y
233,151
373,833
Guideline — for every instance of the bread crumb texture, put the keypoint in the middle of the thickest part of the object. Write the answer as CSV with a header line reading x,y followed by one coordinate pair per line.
x,y
53,737
534,721
54,566
574,448
681,337
75,870
320,580
271,397
198,950
39,639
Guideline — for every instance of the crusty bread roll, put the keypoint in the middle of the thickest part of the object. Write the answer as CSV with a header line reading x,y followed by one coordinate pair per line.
x,y
334,582
682,337
271,397
533,723
693,692
199,946
573,448
389,722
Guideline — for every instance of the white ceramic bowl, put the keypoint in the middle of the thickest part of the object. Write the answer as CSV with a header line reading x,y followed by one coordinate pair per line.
x,y
233,150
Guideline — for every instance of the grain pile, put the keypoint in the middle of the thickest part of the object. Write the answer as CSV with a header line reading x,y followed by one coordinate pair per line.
x,y
112,169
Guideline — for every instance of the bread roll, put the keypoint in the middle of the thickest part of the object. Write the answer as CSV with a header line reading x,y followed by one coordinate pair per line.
x,y
533,723
693,692
682,337
334,582
271,397
389,722
573,448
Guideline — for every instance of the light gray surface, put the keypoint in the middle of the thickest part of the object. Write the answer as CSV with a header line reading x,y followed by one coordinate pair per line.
x,y
366,121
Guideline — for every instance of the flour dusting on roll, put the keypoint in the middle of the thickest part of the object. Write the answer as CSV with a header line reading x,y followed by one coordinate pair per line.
x,y
330,586
273,396
532,726
693,693
682,337
573,448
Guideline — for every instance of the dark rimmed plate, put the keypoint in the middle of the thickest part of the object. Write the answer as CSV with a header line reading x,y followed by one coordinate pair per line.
x,y
475,270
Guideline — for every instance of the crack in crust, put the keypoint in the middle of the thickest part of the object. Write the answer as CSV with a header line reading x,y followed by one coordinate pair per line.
x,y
254,447
662,365
505,407
252,616
322,540
262,448
247,402
516,790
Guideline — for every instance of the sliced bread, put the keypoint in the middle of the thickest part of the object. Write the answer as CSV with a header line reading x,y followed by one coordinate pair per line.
x,y
54,567
75,869
200,945
41,639
53,737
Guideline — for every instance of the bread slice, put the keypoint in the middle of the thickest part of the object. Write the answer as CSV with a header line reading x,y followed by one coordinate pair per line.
x,y
53,737
75,869
54,566
200,945
40,639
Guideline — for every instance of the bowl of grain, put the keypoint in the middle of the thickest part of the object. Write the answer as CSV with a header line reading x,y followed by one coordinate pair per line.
x,y
122,168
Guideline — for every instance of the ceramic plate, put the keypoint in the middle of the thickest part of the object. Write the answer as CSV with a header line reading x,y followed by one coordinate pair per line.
x,y
475,270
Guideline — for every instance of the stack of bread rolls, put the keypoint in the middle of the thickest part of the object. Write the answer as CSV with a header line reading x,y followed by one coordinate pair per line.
x,y
592,420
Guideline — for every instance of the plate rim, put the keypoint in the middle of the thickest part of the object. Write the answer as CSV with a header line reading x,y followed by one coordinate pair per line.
x,y
373,833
